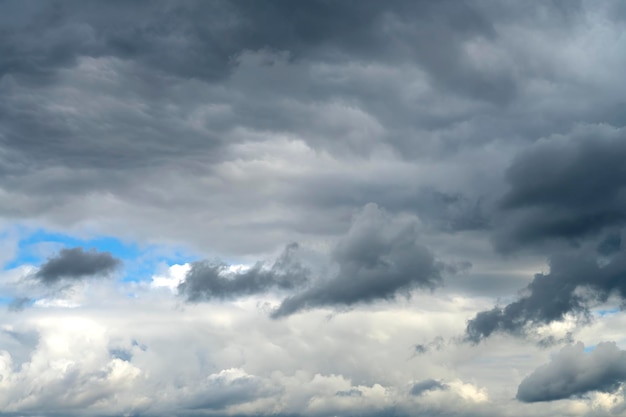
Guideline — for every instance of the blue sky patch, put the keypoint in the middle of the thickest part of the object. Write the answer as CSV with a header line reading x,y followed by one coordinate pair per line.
x,y
607,312
140,261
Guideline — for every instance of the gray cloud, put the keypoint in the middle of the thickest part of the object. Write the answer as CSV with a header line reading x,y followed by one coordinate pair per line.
x,y
426,385
573,372
221,391
209,280
549,297
75,264
377,259
567,187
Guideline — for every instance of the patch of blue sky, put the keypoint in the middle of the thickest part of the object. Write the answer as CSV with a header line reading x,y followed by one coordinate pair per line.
x,y
607,312
589,349
15,303
140,261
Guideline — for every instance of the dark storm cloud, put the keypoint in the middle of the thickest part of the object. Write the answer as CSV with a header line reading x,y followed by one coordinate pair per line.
x,y
158,44
394,30
75,264
421,387
45,37
575,281
200,39
377,259
573,372
565,188
209,280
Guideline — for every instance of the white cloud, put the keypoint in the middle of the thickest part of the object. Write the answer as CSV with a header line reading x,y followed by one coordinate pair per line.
x,y
174,275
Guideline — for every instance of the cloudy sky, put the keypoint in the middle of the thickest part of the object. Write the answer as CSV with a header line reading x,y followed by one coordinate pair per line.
x,y
312,208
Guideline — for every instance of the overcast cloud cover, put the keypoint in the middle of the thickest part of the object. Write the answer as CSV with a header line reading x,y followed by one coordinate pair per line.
x,y
312,208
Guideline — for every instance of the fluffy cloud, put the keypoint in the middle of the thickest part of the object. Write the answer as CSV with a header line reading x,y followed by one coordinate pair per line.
x,y
573,372
227,359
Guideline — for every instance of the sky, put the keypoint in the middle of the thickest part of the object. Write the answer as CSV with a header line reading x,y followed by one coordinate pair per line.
x,y
312,208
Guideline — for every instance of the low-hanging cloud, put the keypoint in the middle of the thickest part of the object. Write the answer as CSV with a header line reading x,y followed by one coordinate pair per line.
x,y
76,264
208,280
574,373
377,259
550,297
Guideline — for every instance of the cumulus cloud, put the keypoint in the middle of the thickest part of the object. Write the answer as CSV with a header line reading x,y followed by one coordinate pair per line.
x,y
574,372
75,264
378,258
